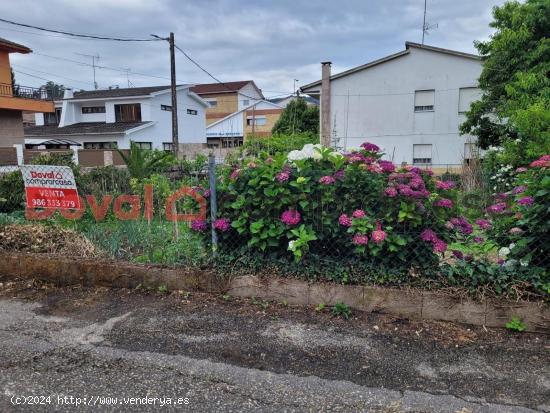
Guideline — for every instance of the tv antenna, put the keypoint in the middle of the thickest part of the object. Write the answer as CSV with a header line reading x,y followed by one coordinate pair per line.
x,y
427,26
128,70
94,58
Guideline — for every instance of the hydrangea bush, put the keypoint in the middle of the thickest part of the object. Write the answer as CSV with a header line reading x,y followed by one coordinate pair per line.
x,y
316,202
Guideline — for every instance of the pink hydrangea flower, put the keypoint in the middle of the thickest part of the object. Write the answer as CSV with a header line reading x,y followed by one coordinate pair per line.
x,y
283,176
326,180
235,174
360,239
428,235
206,193
199,225
252,165
291,217
387,166
446,185
378,235
391,192
439,246
497,208
222,224
358,213
483,224
344,220
444,203
478,240
542,162
516,231
370,147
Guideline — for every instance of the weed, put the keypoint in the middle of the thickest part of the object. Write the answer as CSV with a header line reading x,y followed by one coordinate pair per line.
x,y
163,289
515,324
226,297
320,307
260,303
341,309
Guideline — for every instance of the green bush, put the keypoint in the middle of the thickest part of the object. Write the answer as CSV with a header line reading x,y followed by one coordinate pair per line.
x,y
12,192
278,143
317,202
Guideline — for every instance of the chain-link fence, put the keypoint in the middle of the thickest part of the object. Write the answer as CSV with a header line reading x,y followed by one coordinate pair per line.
x,y
319,219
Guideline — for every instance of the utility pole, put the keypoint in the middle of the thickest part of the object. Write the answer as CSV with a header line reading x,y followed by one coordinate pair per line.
x,y
175,140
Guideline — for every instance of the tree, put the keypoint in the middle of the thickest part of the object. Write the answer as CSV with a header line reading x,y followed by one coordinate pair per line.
x,y
298,117
54,90
514,110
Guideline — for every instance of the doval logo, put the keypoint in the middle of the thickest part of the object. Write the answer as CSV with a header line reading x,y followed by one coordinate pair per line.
x,y
46,175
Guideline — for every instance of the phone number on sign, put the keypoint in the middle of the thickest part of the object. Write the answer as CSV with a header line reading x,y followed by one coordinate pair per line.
x,y
58,203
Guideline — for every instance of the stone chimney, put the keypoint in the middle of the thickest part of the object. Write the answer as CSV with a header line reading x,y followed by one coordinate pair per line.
x,y
325,103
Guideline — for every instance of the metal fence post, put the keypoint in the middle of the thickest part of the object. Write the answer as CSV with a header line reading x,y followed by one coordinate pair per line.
x,y
213,201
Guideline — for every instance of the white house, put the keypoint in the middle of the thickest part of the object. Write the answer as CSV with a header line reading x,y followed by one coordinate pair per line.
x,y
104,119
284,101
410,103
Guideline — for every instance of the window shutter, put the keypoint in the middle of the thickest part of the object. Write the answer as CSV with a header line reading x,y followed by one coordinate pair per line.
x,y
424,98
466,96
422,151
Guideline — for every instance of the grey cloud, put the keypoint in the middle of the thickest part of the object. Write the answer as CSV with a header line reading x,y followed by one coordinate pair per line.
x,y
272,42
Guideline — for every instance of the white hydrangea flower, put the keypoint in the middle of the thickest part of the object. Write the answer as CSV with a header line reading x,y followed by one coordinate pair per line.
x,y
292,245
503,252
296,156
336,155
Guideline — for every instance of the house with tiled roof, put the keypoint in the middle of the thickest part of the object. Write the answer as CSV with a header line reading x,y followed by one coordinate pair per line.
x,y
112,118
14,100
237,110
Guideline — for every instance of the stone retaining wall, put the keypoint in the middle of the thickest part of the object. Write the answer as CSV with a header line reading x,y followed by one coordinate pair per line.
x,y
413,303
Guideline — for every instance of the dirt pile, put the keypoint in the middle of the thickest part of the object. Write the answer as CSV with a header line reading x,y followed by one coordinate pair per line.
x,y
44,239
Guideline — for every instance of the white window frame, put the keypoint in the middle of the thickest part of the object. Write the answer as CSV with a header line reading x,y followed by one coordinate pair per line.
x,y
424,108
422,160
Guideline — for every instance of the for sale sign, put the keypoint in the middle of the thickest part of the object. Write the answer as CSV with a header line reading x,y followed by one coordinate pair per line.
x,y
50,187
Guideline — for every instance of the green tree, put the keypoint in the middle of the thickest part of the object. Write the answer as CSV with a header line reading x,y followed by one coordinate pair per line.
x,y
514,111
54,90
298,117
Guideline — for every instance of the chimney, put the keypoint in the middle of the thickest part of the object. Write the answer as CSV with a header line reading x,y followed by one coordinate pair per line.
x,y
68,93
325,103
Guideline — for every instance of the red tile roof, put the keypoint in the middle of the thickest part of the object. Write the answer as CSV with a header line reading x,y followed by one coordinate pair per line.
x,y
226,87
13,47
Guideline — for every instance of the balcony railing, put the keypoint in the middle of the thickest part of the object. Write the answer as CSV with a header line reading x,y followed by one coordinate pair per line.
x,y
27,92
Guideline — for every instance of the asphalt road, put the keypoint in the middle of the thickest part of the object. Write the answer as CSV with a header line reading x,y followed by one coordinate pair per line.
x,y
79,349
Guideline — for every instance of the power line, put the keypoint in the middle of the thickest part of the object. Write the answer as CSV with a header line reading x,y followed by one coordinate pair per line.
x,y
52,74
82,35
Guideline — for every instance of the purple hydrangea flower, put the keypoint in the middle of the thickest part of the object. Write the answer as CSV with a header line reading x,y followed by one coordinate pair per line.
x,y
387,166
439,246
519,190
428,235
446,185
222,224
444,203
497,208
199,225
483,224
291,217
370,147
526,200
458,254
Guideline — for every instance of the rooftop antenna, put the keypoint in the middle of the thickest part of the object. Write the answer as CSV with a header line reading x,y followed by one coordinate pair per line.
x,y
427,26
93,63
128,70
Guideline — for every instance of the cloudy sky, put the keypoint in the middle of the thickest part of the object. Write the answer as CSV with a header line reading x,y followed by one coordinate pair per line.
x,y
269,41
